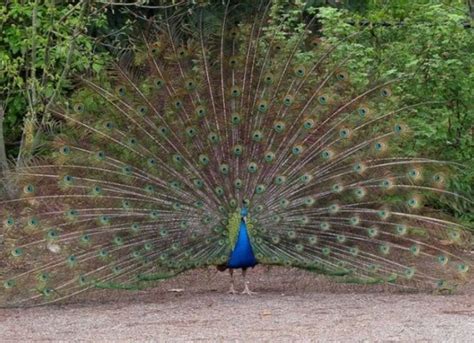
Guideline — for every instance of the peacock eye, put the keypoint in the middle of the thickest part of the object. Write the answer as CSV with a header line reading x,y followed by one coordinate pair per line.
x,y
29,189
17,252
238,150
65,150
252,167
238,183
268,78
260,189
236,119
378,146
362,112
385,92
219,191
121,91
213,138
300,71
224,169
235,92
100,155
341,76
308,124
10,221
159,83
263,107
326,154
79,108
142,110
203,159
296,150
257,136
288,100
269,156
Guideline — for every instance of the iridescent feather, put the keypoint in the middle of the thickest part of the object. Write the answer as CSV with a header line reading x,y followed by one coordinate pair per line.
x,y
148,175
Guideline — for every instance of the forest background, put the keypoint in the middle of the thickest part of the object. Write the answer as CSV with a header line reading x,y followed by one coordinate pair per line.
x,y
44,44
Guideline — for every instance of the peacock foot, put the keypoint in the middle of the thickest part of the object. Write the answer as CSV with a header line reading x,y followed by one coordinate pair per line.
x,y
248,291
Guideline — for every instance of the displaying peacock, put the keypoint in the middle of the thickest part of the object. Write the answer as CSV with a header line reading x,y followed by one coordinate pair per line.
x,y
229,146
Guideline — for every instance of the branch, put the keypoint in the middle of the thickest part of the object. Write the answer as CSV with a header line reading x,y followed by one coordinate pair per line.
x,y
67,66
140,4
48,39
3,153
27,139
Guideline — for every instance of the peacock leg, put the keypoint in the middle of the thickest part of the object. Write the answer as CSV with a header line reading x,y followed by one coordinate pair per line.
x,y
232,289
246,289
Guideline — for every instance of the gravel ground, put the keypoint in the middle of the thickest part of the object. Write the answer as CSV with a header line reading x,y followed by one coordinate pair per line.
x,y
290,306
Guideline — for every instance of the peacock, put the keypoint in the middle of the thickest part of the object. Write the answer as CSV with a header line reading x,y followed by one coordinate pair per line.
x,y
228,144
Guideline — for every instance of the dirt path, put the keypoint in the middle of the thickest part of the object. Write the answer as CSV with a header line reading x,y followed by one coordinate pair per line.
x,y
290,306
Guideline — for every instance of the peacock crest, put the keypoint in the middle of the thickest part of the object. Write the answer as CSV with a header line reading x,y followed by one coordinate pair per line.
x,y
147,176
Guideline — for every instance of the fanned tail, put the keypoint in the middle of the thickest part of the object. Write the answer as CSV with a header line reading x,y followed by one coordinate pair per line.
x,y
156,155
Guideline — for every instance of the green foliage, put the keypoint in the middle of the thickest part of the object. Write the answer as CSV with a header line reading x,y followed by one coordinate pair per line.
x,y
39,47
428,43
424,40
433,50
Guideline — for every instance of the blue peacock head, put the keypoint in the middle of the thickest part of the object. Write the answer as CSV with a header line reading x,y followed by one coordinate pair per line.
x,y
244,212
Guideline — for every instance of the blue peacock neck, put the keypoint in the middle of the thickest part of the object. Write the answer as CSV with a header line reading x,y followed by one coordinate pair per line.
x,y
242,255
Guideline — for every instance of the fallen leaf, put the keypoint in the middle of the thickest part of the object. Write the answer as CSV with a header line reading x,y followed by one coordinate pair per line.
x,y
176,290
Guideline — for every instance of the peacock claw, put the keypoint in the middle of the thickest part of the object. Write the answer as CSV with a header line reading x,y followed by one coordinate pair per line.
x,y
248,291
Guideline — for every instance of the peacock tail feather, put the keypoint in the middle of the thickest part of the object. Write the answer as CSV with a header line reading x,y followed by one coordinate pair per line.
x,y
156,156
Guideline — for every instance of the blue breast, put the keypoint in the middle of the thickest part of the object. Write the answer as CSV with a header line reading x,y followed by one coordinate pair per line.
x,y
242,256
